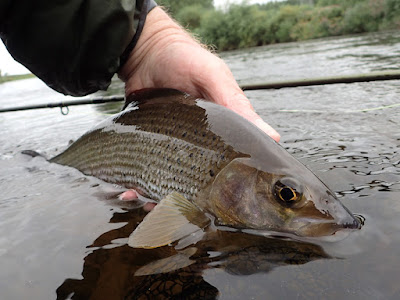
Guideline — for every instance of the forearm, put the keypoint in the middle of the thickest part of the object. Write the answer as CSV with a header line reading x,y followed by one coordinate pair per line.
x,y
76,46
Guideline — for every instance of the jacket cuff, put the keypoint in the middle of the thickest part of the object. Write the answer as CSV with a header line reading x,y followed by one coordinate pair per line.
x,y
146,8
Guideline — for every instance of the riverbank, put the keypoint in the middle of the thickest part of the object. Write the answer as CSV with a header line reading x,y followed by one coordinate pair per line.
x,y
6,78
243,26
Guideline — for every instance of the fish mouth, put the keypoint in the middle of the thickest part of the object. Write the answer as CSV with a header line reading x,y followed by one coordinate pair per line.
x,y
313,230
356,224
360,219
307,227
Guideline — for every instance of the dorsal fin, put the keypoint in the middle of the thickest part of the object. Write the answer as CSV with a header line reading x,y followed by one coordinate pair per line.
x,y
163,95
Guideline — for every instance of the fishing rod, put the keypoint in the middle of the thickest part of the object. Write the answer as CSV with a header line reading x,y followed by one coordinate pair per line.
x,y
375,76
65,104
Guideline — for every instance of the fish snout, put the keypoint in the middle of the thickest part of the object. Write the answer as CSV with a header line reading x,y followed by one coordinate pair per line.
x,y
356,222
345,219
326,221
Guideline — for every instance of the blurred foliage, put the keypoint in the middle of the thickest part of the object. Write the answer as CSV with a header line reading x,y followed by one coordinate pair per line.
x,y
244,25
175,6
192,15
5,77
235,29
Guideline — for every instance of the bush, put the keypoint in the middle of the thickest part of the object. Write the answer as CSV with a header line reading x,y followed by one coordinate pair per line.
x,y
392,8
175,6
286,19
254,25
392,14
241,26
191,16
364,17
321,22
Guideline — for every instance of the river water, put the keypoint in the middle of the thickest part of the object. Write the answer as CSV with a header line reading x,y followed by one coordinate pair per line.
x,y
61,236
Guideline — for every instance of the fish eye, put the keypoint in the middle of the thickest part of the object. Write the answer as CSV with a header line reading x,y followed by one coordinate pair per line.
x,y
288,191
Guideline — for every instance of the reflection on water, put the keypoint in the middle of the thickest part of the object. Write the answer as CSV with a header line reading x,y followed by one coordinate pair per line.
x,y
59,238
121,272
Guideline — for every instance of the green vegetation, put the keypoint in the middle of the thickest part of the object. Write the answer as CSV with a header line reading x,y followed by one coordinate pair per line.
x,y
175,6
5,78
245,25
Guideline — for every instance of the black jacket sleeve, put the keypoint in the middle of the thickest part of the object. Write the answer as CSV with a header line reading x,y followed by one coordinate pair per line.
x,y
74,46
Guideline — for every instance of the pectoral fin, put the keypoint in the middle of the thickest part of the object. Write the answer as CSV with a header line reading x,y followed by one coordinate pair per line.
x,y
173,218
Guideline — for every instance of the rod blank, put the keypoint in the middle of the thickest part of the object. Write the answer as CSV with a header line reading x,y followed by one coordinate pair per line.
x,y
375,76
62,104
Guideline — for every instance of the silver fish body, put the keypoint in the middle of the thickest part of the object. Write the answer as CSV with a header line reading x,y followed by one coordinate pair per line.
x,y
165,142
161,144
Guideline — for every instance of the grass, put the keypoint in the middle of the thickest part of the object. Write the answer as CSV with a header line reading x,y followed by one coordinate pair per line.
x,y
5,78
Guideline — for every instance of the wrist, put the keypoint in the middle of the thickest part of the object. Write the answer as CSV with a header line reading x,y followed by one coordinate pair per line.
x,y
158,33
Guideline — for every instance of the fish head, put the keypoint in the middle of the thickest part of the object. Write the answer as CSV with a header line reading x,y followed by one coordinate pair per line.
x,y
292,200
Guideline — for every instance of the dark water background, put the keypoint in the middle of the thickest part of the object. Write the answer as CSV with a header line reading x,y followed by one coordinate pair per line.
x,y
61,237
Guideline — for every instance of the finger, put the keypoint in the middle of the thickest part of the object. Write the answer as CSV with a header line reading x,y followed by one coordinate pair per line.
x,y
149,206
128,195
243,107
236,100
267,129
218,84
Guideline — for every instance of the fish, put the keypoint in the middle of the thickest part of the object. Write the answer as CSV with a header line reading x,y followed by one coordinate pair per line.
x,y
205,166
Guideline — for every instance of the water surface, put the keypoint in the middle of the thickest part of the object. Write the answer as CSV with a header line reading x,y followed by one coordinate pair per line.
x,y
62,237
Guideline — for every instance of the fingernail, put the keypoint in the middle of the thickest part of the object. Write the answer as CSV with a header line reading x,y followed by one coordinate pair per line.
x,y
267,129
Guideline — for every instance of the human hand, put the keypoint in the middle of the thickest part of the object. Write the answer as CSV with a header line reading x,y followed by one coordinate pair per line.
x,y
166,56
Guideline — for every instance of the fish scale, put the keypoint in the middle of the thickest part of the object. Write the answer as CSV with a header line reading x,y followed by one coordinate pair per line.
x,y
153,148
200,159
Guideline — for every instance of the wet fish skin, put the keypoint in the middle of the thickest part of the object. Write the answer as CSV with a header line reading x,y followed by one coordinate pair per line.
x,y
159,146
168,142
